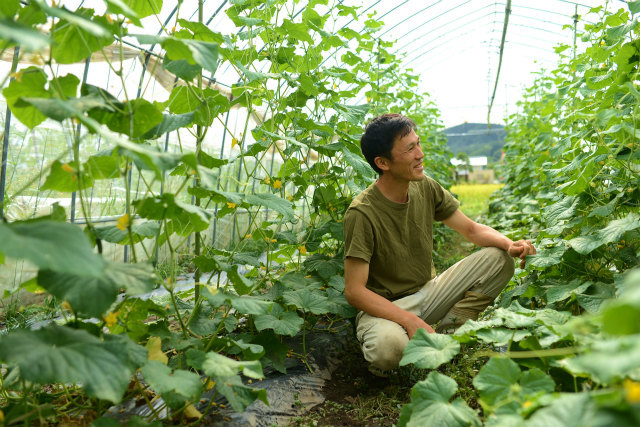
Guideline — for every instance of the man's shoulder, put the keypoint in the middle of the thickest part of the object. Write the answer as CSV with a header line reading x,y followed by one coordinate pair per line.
x,y
365,198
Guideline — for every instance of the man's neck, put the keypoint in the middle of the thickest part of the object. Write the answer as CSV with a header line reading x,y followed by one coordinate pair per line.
x,y
394,190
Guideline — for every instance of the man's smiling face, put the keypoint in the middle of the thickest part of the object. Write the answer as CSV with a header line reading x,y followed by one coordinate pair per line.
x,y
406,161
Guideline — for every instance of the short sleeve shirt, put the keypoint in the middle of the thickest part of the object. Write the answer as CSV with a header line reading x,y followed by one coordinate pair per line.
x,y
396,239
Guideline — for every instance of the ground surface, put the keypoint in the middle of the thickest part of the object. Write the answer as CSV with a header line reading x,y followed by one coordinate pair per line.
x,y
355,397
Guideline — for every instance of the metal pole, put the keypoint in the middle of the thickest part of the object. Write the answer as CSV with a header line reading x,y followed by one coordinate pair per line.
x,y
74,195
575,31
507,12
5,139
215,213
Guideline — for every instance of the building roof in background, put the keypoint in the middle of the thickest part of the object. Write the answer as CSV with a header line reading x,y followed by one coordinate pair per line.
x,y
476,161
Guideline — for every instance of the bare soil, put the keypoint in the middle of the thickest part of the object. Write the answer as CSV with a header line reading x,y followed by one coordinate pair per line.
x,y
356,397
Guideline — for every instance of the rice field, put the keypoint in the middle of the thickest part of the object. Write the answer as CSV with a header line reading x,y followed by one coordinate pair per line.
x,y
474,198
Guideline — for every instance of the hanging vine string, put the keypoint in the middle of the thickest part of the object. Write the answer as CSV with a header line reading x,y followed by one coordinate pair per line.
x,y
507,12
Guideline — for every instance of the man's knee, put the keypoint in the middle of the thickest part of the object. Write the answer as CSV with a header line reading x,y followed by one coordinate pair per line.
x,y
504,269
384,351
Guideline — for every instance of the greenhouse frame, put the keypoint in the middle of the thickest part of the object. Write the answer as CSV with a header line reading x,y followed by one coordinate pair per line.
x,y
175,176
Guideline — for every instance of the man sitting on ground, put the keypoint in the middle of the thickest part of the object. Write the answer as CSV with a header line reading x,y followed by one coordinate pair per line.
x,y
389,272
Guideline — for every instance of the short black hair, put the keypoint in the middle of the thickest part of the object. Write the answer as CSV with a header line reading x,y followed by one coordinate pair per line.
x,y
380,134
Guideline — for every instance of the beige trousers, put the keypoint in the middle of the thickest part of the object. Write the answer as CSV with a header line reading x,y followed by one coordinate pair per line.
x,y
458,294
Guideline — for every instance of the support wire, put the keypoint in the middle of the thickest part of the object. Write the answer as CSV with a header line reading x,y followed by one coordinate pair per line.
x,y
507,12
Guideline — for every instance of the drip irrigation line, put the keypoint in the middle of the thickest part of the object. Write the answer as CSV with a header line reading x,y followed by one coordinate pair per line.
x,y
507,12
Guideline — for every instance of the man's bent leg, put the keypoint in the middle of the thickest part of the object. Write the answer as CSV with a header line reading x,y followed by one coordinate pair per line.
x,y
467,288
382,340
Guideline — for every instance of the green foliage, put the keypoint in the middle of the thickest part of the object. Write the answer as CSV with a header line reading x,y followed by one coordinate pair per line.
x,y
430,405
284,187
429,351
571,177
64,355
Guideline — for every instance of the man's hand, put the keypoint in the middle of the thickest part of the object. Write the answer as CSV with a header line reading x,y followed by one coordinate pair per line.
x,y
521,249
413,323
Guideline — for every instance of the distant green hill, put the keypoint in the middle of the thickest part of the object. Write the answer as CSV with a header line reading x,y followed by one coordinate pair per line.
x,y
476,139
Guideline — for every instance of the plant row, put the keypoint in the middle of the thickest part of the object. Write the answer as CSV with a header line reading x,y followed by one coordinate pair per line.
x,y
565,333
281,277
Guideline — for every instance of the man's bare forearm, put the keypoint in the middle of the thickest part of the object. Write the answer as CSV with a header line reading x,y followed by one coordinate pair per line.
x,y
485,236
373,304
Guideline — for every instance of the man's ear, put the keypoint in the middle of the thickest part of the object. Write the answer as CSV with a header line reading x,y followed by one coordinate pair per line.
x,y
382,163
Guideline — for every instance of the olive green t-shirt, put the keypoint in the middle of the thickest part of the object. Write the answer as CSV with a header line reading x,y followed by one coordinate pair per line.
x,y
396,239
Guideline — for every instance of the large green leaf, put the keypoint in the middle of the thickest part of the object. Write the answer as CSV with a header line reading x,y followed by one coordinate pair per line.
x,y
607,360
282,322
86,294
30,83
495,379
253,75
94,295
80,18
563,209
170,123
430,405
568,410
144,8
134,118
121,7
297,31
51,245
64,177
613,232
9,8
222,367
354,114
239,395
308,300
103,166
244,304
358,164
202,53
561,292
25,37
503,387
137,279
140,230
56,354
273,202
77,35
166,206
501,336
176,387
148,157
429,351
622,316
59,109
241,284
547,257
